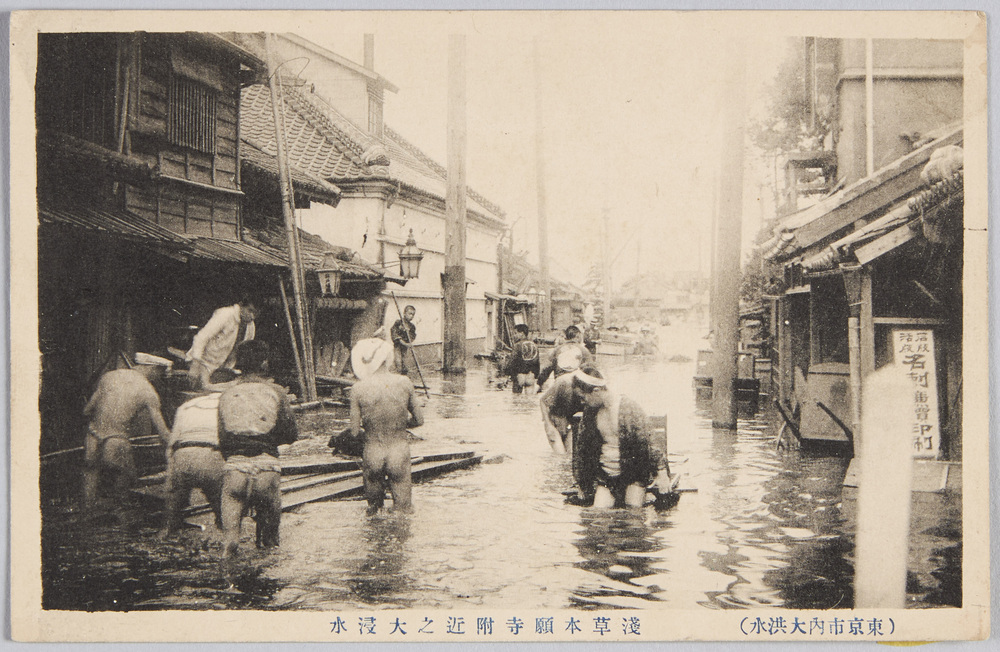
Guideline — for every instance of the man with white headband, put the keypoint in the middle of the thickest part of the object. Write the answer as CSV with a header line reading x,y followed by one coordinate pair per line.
x,y
619,454
386,405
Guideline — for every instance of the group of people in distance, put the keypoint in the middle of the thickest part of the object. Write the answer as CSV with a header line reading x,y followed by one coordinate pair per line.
x,y
224,441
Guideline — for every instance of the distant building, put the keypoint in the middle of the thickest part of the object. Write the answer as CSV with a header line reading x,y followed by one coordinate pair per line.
x,y
521,278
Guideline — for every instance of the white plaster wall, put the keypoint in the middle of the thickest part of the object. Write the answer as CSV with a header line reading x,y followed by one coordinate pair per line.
x,y
339,86
355,217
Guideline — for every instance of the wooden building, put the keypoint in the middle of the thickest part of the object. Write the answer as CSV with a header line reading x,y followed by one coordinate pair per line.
x,y
880,255
152,215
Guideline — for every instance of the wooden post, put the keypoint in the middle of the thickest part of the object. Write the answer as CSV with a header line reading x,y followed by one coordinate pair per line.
x,y
543,225
727,270
291,332
287,208
884,486
454,261
606,267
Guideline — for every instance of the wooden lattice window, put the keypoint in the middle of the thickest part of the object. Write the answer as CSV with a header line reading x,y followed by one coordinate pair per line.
x,y
191,120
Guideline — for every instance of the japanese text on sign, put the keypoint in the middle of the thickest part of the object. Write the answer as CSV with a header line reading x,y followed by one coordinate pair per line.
x,y
913,352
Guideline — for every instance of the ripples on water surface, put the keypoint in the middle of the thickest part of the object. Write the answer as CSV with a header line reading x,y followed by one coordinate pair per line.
x,y
765,528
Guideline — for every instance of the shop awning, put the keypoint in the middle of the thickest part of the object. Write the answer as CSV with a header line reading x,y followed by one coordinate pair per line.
x,y
117,223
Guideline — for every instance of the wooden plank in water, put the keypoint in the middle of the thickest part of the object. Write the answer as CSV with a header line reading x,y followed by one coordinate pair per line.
x,y
354,486
307,483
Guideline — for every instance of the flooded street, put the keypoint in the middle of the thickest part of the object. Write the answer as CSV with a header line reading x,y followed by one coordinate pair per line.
x,y
762,527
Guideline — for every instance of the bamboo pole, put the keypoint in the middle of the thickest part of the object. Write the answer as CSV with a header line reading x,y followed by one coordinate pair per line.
x,y
291,333
294,260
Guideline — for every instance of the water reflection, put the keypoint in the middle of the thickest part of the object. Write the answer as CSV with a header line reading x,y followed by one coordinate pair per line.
x,y
381,575
619,546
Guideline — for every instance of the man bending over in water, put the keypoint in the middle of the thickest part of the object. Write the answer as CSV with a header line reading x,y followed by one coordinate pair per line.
x,y
615,437
385,404
124,406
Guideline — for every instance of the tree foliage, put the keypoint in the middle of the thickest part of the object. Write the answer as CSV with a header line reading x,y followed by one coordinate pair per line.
x,y
788,124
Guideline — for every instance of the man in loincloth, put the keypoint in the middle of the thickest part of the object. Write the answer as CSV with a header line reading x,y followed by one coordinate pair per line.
x,y
124,405
255,417
566,357
193,457
385,404
617,446
523,368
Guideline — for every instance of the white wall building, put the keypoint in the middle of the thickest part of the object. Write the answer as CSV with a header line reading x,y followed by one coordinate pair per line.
x,y
334,129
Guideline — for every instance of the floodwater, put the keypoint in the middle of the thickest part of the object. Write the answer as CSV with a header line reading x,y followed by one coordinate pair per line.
x,y
759,526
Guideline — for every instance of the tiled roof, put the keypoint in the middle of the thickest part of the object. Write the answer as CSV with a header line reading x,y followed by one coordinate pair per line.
x,y
312,249
424,173
314,144
324,143
303,180
235,251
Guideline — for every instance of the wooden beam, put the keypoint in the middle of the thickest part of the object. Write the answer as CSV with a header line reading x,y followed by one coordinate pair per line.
x,y
869,252
883,188
867,328
910,321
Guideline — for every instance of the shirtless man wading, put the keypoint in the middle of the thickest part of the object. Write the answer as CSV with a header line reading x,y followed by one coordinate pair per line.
x,y
385,404
124,405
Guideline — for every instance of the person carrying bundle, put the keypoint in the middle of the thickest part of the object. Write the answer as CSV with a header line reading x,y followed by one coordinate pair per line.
x,y
523,367
193,457
255,417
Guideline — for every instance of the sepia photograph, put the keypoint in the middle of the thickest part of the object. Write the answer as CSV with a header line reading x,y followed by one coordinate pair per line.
x,y
596,326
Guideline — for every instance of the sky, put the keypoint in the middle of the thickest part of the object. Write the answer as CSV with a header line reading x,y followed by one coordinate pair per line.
x,y
630,123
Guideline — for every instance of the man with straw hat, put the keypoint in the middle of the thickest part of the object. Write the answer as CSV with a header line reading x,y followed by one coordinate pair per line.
x,y
386,405
620,454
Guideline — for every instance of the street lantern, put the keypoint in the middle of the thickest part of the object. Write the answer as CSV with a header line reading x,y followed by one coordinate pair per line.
x,y
409,258
330,275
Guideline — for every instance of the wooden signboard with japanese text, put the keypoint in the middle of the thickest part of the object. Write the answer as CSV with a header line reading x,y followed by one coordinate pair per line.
x,y
913,352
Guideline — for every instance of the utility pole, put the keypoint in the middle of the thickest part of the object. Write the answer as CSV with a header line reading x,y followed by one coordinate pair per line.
x,y
543,225
638,253
287,210
454,257
606,266
727,258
